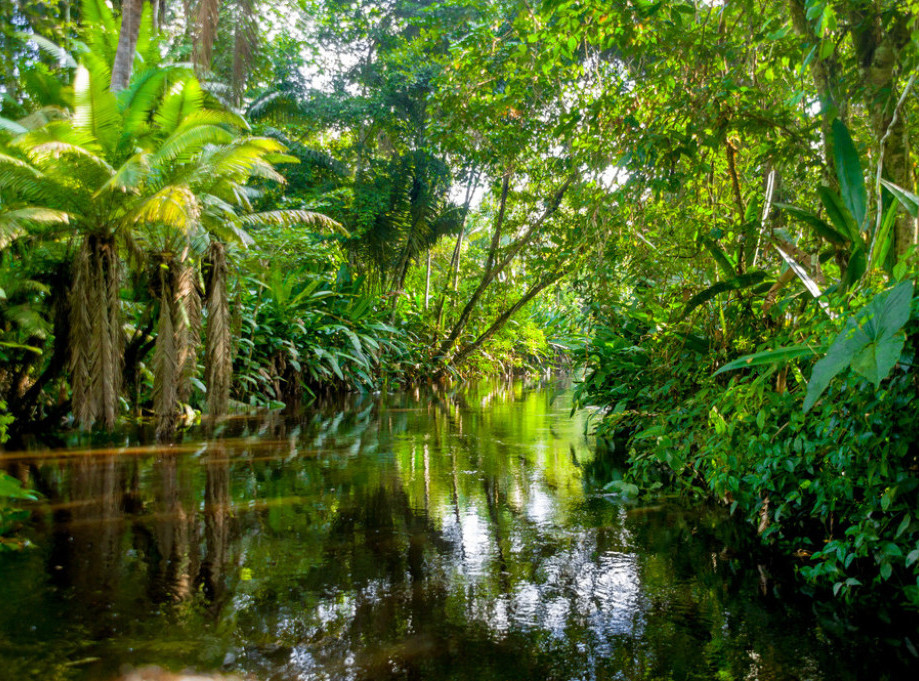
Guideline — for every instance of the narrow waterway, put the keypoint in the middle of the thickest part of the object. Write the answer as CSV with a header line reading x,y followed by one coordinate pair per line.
x,y
452,535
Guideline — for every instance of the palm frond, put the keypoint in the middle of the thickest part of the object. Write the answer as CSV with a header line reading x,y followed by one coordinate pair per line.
x,y
17,222
140,97
50,48
12,126
184,143
95,107
175,206
291,218
129,177
183,99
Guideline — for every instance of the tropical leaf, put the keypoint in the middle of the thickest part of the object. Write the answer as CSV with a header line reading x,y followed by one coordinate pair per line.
x,y
95,107
174,206
838,213
743,281
849,172
12,126
183,144
129,177
290,218
139,98
883,240
906,198
102,29
870,342
184,98
16,223
51,48
770,357
822,229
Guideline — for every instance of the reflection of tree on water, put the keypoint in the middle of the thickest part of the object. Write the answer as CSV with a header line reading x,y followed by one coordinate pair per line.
x,y
89,525
217,516
400,539
173,561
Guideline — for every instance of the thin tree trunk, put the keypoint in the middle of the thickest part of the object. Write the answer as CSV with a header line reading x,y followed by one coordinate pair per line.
x,y
457,252
491,273
499,323
166,361
825,74
877,47
131,11
427,283
205,32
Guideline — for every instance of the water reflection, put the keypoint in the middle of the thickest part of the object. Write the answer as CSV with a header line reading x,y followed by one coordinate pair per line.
x,y
443,535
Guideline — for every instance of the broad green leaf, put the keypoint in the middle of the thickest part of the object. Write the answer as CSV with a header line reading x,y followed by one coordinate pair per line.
x,y
849,172
909,200
877,359
743,281
11,488
857,266
778,356
823,229
871,342
839,215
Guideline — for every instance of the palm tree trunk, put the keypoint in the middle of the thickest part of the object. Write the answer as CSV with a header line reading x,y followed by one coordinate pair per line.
x,y
166,361
95,332
131,11
218,352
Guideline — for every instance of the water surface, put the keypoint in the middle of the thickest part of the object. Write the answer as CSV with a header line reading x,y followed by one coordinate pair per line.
x,y
453,535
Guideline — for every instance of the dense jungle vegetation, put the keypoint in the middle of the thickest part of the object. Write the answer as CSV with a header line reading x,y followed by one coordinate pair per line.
x,y
710,205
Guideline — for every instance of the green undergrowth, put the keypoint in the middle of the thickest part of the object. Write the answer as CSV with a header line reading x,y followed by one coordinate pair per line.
x,y
834,488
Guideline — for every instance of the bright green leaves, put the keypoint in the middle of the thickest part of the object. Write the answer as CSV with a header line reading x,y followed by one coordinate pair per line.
x,y
95,109
870,343
10,488
770,357
908,200
849,172
737,283
846,210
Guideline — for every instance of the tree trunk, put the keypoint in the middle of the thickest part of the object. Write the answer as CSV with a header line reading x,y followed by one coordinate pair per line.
x,y
877,51
825,74
427,283
218,351
166,361
95,332
204,33
131,11
496,268
499,323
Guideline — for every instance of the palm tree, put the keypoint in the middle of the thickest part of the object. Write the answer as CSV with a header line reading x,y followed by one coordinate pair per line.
x,y
151,170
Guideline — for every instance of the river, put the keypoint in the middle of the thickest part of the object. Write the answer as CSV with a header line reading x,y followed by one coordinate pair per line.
x,y
437,535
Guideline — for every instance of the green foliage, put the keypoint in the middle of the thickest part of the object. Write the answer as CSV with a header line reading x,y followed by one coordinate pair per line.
x,y
870,343
11,491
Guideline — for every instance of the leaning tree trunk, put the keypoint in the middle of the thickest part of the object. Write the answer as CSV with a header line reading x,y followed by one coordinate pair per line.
x,y
131,11
218,351
95,332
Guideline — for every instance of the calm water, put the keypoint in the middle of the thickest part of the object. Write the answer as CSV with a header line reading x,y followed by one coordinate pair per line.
x,y
436,536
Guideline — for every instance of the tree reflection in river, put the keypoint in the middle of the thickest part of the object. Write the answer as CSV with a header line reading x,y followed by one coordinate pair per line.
x,y
446,535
